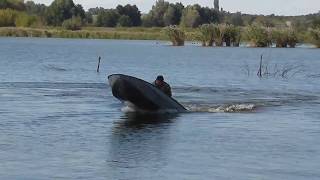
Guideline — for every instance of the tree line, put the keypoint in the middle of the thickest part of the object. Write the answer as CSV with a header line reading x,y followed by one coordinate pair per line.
x,y
72,16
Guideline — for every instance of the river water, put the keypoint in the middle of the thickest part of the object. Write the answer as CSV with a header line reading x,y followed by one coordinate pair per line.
x,y
59,120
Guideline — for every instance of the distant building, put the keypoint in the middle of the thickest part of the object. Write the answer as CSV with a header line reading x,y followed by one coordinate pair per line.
x,y
216,5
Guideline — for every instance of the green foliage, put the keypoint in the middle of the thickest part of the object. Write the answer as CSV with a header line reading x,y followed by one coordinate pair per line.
x,y
12,4
35,9
124,21
315,36
158,11
25,20
107,18
175,34
206,34
190,17
258,36
162,14
232,35
61,10
147,20
219,31
236,19
75,23
284,38
132,12
7,17
316,22
292,38
280,37
173,14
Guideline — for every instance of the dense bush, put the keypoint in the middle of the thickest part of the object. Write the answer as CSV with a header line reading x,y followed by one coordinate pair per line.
x,y
12,4
24,20
284,38
73,24
232,35
7,17
315,36
124,21
11,18
61,10
258,36
205,34
130,14
107,18
190,17
175,34
219,34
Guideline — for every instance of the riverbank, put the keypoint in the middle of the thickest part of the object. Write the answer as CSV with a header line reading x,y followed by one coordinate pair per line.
x,y
86,33
133,33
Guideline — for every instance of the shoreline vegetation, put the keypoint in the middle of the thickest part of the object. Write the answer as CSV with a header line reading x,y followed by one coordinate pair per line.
x,y
165,21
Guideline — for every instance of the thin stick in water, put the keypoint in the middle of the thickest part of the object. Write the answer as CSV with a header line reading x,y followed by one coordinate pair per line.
x,y
98,68
260,68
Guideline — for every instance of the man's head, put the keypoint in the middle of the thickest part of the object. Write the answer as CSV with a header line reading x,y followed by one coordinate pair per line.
x,y
159,79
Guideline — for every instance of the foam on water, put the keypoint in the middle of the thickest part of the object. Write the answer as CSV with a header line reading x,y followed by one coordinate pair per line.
x,y
222,108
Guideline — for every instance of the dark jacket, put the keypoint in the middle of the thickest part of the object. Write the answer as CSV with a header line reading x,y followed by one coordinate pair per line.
x,y
164,87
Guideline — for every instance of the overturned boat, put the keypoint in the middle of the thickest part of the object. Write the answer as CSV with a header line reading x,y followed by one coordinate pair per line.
x,y
141,95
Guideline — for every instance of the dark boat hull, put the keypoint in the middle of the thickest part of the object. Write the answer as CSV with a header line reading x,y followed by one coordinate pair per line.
x,y
143,95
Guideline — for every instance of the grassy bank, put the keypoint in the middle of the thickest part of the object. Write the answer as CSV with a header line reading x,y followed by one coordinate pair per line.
x,y
86,33
141,33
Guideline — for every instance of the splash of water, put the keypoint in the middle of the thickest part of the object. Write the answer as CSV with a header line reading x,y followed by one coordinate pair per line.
x,y
223,108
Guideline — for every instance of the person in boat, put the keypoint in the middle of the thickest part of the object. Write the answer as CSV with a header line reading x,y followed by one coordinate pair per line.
x,y
162,85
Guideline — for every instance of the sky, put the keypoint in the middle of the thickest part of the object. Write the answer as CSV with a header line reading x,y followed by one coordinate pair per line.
x,y
266,7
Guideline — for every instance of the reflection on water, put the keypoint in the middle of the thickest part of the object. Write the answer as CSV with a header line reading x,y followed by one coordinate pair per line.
x,y
140,141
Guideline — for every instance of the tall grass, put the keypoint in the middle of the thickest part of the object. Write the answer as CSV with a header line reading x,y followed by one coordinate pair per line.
x,y
284,38
315,37
258,36
219,31
175,34
232,35
13,18
205,34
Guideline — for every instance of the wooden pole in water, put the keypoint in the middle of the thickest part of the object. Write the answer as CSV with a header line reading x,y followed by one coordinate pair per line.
x,y
260,68
98,68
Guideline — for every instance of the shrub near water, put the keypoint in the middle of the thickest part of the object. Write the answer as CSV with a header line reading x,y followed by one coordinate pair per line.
x,y
73,24
175,34
284,38
7,17
10,18
219,31
24,20
205,34
315,36
232,35
258,36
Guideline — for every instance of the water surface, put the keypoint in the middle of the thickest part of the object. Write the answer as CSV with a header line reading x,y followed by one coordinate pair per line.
x,y
59,120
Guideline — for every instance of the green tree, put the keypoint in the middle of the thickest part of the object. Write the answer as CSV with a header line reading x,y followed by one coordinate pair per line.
x,y
124,21
157,12
132,12
7,17
61,10
75,23
35,9
12,4
169,16
108,18
236,19
147,20
190,17
25,20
